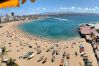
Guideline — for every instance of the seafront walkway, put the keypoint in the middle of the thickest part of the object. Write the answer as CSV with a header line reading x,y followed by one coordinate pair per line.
x,y
92,37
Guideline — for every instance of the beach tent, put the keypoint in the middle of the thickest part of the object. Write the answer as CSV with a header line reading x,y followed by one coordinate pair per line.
x,y
12,3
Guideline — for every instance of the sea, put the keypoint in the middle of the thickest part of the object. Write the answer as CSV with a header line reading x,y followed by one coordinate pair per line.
x,y
59,27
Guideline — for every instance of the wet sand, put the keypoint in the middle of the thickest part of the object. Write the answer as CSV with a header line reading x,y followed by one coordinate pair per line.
x,y
19,43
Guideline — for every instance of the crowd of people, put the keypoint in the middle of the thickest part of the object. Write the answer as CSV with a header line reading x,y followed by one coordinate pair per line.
x,y
46,52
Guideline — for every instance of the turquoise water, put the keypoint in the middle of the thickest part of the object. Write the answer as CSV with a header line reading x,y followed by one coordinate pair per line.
x,y
64,27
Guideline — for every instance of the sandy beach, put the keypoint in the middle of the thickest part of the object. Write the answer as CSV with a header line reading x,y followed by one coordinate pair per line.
x,y
18,44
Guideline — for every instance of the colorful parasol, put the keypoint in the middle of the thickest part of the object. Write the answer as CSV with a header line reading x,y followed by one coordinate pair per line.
x,y
11,3
32,1
23,1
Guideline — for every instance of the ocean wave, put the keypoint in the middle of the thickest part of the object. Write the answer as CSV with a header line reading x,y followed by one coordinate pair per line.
x,y
61,19
40,19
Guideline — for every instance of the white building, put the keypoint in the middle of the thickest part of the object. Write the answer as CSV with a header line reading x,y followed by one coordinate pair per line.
x,y
4,19
11,19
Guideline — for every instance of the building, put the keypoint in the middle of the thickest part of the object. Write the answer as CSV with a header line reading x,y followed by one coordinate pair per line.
x,y
11,19
0,19
4,19
86,32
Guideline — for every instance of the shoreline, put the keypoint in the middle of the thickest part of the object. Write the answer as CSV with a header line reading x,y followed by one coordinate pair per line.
x,y
20,42
46,38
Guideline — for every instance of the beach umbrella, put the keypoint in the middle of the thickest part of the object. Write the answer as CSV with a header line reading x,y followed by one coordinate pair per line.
x,y
23,1
12,3
32,1
9,3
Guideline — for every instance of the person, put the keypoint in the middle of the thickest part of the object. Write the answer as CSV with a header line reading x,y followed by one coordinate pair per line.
x,y
80,64
68,56
76,53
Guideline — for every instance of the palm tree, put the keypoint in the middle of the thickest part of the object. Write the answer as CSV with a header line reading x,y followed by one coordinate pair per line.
x,y
3,50
3,53
12,62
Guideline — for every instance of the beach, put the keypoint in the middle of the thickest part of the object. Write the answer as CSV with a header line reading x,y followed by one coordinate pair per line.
x,y
19,43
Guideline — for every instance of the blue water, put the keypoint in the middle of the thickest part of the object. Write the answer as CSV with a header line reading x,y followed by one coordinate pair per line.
x,y
64,27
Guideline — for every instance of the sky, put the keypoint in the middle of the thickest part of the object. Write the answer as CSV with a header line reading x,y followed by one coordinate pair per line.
x,y
41,6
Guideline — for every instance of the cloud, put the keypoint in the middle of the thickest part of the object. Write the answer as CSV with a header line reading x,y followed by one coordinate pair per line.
x,y
93,9
86,9
63,8
90,9
73,7
43,8
37,9
79,8
96,7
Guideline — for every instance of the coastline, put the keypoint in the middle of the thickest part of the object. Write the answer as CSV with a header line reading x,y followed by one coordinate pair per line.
x,y
19,37
45,38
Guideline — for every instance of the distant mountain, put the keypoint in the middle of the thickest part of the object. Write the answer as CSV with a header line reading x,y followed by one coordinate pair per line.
x,y
56,14
64,13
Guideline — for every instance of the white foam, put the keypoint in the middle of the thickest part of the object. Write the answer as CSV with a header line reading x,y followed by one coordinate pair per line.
x,y
61,19
38,19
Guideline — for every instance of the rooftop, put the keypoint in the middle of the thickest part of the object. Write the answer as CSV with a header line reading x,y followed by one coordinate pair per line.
x,y
86,30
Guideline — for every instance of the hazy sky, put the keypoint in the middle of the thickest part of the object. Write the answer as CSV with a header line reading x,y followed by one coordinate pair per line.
x,y
41,6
